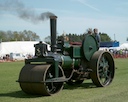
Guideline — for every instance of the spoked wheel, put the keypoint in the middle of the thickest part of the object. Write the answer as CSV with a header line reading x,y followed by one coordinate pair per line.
x,y
33,79
103,67
53,87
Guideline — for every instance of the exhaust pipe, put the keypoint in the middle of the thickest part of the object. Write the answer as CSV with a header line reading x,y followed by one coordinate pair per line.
x,y
53,33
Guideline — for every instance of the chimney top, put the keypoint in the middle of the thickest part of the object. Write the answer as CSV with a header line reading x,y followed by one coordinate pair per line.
x,y
53,17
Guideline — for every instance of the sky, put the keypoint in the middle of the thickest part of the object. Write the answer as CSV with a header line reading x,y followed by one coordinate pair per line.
x,y
73,16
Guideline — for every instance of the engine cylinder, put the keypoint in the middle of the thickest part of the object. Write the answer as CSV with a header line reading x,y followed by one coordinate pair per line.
x,y
68,62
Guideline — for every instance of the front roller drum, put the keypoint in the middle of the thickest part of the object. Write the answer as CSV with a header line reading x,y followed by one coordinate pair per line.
x,y
102,64
33,79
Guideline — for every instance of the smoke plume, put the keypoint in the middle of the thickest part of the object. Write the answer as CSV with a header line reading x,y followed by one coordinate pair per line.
x,y
23,12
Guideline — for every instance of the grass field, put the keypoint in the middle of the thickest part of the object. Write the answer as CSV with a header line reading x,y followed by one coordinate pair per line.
x,y
86,92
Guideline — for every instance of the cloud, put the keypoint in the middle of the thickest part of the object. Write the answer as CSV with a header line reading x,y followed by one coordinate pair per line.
x,y
88,5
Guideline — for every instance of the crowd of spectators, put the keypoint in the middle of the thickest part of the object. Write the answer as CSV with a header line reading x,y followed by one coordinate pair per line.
x,y
122,53
7,58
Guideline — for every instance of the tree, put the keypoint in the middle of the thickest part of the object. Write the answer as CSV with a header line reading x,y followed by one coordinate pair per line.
x,y
22,36
48,39
3,36
80,37
105,37
127,39
35,37
18,36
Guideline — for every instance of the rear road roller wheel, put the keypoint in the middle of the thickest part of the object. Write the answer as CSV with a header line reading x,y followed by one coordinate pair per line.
x,y
33,79
103,67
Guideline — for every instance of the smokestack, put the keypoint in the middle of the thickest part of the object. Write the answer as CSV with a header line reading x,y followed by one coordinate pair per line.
x,y
53,33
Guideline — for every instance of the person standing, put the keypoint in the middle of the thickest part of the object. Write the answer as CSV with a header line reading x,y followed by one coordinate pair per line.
x,y
90,32
97,36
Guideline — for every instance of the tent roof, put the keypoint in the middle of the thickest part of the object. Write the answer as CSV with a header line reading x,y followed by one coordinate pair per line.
x,y
24,47
124,46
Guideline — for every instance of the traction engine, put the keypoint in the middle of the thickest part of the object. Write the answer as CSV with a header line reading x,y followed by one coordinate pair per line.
x,y
46,73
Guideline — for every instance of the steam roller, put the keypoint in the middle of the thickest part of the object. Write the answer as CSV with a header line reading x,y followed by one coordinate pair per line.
x,y
66,62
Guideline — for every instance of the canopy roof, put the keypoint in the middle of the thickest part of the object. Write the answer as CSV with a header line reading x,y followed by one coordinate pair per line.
x,y
24,47
124,46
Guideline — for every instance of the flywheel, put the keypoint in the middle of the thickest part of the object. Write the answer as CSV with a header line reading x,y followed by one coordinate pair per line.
x,y
89,46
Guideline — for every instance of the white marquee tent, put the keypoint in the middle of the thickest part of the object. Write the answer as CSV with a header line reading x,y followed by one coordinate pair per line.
x,y
24,47
124,46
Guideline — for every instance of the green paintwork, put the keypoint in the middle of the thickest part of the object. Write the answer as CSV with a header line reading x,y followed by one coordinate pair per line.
x,y
89,46
68,62
76,52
